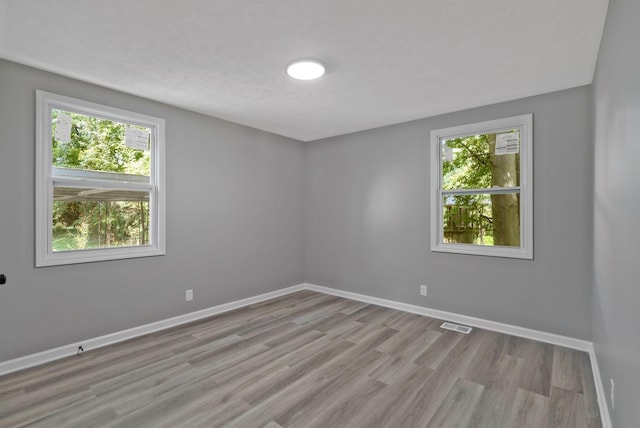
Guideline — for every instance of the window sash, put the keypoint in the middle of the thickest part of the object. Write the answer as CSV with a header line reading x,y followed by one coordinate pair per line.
x,y
103,196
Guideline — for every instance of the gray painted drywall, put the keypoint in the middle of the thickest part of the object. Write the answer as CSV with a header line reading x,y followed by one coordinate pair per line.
x,y
616,290
234,224
367,220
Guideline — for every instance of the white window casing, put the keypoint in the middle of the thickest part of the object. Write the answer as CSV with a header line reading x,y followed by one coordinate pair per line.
x,y
48,177
523,123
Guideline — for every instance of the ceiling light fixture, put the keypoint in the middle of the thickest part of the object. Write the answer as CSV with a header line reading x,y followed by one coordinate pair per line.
x,y
305,69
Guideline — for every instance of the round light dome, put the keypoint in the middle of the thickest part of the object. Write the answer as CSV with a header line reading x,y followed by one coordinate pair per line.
x,y
305,69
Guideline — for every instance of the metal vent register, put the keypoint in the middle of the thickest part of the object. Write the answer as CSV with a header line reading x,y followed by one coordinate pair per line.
x,y
456,327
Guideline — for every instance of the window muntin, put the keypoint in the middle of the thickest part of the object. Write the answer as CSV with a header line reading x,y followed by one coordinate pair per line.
x,y
481,188
100,182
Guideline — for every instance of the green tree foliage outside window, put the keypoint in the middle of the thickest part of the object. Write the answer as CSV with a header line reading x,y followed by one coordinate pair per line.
x,y
480,218
112,220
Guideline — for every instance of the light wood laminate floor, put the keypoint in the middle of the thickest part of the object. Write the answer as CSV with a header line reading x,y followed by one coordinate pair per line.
x,y
309,360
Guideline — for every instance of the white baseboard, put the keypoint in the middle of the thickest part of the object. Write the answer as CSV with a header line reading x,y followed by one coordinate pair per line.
x,y
602,397
541,336
556,339
98,342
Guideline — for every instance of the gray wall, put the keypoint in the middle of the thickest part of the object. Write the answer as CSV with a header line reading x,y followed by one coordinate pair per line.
x,y
367,220
616,291
234,224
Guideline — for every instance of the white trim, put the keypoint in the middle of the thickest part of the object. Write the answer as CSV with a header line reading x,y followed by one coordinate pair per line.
x,y
605,416
488,191
108,339
98,342
525,124
45,102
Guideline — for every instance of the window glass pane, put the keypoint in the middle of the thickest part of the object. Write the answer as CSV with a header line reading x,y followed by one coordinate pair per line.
x,y
481,161
86,218
482,219
89,143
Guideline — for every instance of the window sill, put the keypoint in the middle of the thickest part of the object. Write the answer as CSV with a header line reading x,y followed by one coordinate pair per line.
x,y
97,255
476,250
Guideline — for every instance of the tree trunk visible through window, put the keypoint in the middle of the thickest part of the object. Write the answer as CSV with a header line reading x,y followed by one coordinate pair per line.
x,y
505,207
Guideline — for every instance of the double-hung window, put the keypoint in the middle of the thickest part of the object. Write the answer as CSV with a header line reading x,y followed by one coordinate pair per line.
x,y
482,188
99,182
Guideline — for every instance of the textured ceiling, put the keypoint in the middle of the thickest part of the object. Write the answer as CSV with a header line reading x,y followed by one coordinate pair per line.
x,y
388,61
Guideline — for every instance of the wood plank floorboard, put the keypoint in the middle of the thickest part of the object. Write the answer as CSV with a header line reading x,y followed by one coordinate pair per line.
x,y
309,360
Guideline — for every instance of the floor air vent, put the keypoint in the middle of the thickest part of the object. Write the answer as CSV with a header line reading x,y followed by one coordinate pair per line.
x,y
455,327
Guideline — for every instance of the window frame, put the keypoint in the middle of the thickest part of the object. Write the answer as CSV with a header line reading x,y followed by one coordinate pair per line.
x,y
45,256
524,123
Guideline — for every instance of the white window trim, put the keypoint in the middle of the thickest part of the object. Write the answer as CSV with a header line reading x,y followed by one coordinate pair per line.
x,y
45,102
525,124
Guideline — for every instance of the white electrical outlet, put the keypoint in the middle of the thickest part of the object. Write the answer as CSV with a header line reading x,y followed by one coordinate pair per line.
x,y
423,290
613,394
188,295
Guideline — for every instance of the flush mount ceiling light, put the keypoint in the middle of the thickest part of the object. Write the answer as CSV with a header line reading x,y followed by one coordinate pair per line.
x,y
305,69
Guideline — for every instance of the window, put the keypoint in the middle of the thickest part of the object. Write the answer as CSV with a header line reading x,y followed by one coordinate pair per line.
x,y
481,188
99,182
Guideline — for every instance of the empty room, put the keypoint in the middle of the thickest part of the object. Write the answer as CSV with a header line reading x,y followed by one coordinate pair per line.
x,y
319,214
